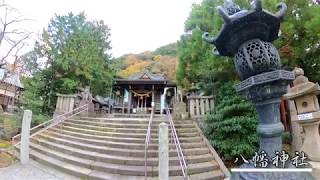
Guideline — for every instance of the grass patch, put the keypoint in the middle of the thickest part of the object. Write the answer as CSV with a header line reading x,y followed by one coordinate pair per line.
x,y
4,144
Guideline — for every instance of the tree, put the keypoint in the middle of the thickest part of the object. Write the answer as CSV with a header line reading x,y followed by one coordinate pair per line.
x,y
231,126
299,42
12,38
76,54
196,64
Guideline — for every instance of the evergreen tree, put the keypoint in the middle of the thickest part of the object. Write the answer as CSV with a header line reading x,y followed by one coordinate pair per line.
x,y
231,126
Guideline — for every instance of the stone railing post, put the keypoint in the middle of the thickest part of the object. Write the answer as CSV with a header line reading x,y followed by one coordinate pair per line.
x,y
25,134
197,106
163,152
202,110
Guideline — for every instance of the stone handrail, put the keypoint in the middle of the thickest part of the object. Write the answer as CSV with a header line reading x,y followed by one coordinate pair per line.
x,y
50,123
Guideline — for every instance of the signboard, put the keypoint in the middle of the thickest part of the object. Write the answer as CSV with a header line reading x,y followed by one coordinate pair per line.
x,y
305,116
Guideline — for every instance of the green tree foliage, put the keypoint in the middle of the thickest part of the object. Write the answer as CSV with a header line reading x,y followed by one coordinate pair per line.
x,y
299,42
74,52
231,127
196,63
167,50
33,99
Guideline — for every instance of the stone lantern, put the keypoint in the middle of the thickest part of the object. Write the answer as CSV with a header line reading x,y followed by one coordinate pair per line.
x,y
304,94
247,37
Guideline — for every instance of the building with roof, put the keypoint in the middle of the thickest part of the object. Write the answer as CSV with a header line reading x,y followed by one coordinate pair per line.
x,y
10,88
138,92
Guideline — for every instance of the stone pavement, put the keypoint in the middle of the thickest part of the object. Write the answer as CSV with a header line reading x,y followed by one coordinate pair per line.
x,y
31,171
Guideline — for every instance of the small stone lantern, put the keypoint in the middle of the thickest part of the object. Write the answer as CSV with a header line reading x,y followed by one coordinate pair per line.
x,y
304,94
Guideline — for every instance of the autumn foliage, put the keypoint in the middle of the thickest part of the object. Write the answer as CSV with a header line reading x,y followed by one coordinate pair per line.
x,y
161,61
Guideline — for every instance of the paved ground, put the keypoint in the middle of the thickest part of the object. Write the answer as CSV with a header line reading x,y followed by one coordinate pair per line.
x,y
30,171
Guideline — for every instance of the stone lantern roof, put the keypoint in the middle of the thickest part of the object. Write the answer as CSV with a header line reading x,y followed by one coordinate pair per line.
x,y
302,86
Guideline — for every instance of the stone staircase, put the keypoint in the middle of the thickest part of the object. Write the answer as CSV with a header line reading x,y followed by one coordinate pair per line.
x,y
113,148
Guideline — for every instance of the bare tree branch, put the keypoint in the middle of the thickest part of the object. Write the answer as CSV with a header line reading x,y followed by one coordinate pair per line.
x,y
11,38
14,46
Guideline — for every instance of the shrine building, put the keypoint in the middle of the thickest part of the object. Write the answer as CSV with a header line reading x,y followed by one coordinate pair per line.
x,y
138,92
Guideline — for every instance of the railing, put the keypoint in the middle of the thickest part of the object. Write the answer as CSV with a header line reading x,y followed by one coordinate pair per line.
x,y
175,139
146,144
198,106
50,123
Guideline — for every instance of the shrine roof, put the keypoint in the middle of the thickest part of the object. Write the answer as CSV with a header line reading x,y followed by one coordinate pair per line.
x,y
146,75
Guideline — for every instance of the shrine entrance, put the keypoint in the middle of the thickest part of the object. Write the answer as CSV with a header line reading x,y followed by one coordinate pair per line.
x,y
142,100
139,92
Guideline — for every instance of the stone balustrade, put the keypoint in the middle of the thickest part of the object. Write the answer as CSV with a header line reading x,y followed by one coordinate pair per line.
x,y
198,106
65,103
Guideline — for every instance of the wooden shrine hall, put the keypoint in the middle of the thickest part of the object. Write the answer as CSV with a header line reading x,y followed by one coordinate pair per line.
x,y
138,92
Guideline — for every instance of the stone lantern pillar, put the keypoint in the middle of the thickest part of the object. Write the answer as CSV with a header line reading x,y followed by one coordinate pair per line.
x,y
304,94
247,37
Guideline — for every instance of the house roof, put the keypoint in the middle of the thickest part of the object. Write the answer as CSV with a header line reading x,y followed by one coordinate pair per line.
x,y
146,75
11,78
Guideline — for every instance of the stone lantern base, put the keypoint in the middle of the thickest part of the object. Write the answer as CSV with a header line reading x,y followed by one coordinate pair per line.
x,y
271,175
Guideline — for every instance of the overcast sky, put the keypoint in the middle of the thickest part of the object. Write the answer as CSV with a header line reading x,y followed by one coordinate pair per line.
x,y
136,25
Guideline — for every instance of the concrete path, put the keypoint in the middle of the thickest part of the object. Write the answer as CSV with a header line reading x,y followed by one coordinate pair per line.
x,y
30,171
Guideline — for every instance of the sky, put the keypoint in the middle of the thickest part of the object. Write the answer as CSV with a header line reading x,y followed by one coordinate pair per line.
x,y
136,25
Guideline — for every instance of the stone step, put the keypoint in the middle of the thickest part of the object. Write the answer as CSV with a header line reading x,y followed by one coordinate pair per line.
x,y
117,144
56,142
134,120
129,170
184,137
123,125
71,155
121,130
142,136
212,175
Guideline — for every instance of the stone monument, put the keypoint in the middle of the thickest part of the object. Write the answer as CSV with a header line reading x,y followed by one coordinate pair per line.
x,y
247,36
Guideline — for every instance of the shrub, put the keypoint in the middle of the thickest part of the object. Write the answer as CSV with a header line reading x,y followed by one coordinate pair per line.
x,y
38,119
231,125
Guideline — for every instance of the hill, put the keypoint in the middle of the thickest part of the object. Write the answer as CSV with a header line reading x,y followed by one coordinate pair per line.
x,y
161,61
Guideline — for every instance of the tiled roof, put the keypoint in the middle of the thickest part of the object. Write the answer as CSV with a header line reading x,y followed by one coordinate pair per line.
x,y
11,78
146,75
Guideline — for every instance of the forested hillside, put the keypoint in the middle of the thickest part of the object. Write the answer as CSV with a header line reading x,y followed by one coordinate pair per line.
x,y
161,61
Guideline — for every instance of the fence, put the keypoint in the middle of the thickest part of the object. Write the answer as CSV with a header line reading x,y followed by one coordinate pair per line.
x,y
198,106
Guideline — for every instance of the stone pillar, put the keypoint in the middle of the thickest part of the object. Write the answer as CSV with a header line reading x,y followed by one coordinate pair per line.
x,y
163,152
129,101
25,134
295,127
202,111
311,144
191,106
269,128
207,105
197,106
